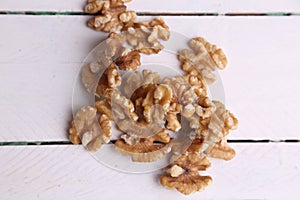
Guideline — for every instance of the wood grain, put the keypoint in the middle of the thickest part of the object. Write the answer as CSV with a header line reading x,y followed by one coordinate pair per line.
x,y
40,57
157,6
58,172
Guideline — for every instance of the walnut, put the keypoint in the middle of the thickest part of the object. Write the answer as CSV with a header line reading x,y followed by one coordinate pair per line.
x,y
115,51
216,127
94,6
196,145
175,171
147,107
203,60
195,113
163,96
84,118
114,46
90,76
86,138
113,77
122,107
144,150
183,174
86,126
104,107
150,77
162,136
188,110
144,36
215,53
138,84
199,113
148,103
157,101
156,114
106,127
130,139
205,116
181,89
73,134
102,85
97,78
175,107
113,15
162,28
138,129
222,150
231,122
131,83
197,83
129,61
172,122
186,97
110,78
94,142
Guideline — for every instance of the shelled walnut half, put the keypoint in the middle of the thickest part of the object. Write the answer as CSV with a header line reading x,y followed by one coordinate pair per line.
x,y
183,174
89,130
203,59
113,14
145,36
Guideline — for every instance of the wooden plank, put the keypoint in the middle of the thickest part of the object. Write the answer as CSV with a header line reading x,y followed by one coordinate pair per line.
x,y
37,100
40,57
157,6
259,171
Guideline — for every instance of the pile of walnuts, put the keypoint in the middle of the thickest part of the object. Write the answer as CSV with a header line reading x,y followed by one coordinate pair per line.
x,y
147,108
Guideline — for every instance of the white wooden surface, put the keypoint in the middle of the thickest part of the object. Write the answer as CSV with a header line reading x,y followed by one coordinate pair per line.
x,y
258,172
39,59
166,6
39,65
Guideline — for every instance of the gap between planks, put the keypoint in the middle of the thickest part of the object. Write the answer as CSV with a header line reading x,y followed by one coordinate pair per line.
x,y
45,143
153,13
